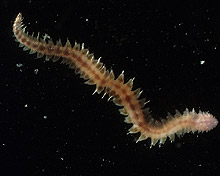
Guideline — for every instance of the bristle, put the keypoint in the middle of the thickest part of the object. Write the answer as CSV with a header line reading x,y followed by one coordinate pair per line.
x,y
82,46
178,114
99,65
121,77
106,92
137,93
94,62
117,101
55,58
85,51
103,70
39,55
58,43
20,45
111,74
48,57
38,36
99,59
172,137
68,44
32,51
82,74
123,111
153,141
65,61
130,83
141,138
169,117
146,112
112,93
72,65
163,140
163,121
142,102
90,56
77,71
186,112
25,48
128,119
133,129
76,47
90,82
99,89
24,28
106,74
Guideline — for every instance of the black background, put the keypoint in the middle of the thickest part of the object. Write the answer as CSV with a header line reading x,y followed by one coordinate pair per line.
x,y
50,124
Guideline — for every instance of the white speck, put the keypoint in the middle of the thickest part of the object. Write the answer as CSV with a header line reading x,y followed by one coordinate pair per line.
x,y
87,19
19,65
3,144
36,71
25,105
62,159
202,62
45,117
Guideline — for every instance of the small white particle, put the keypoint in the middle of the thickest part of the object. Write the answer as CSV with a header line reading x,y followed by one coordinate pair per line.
x,y
19,65
62,159
25,105
202,62
36,71
45,117
87,19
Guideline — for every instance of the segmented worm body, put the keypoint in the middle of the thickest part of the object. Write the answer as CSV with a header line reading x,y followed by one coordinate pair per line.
x,y
121,93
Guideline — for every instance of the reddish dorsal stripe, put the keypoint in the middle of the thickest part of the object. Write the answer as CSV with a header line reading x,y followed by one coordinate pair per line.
x,y
122,94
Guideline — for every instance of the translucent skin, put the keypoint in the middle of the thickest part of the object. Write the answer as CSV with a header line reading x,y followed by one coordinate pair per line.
x,y
122,94
205,121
